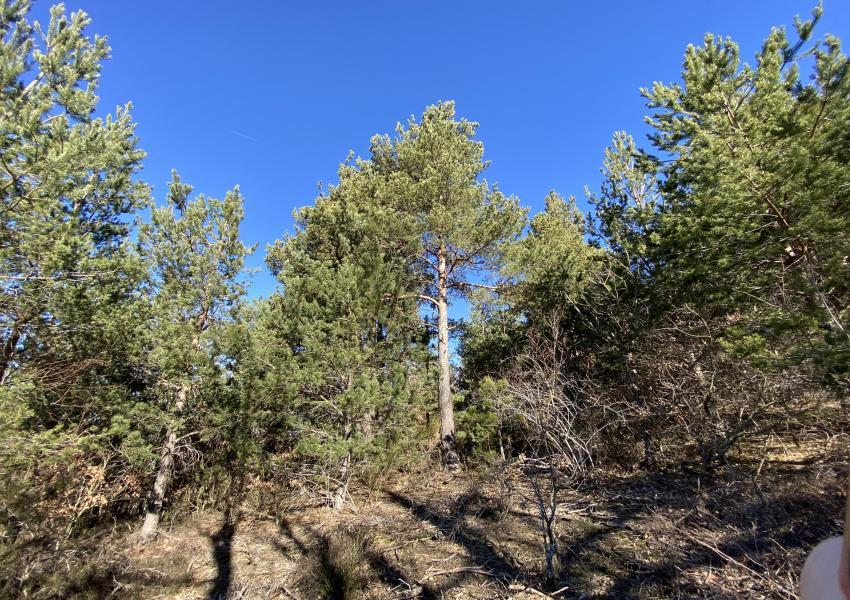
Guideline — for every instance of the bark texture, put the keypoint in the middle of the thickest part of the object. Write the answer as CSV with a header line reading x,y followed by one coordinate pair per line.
x,y
164,475
448,446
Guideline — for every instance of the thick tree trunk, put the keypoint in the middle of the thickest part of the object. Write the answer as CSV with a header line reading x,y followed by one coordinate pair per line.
x,y
448,446
163,475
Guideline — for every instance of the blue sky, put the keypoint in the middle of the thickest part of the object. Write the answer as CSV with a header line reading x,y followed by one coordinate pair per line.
x,y
272,95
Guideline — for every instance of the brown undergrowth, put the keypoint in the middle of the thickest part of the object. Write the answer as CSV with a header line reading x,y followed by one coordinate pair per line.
x,y
742,532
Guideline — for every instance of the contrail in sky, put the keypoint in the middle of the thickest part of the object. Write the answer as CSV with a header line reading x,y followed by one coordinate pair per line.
x,y
247,137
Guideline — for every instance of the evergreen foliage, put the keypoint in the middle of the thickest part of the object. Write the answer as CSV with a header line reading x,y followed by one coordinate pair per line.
x,y
703,303
195,261
347,358
756,219
433,168
69,281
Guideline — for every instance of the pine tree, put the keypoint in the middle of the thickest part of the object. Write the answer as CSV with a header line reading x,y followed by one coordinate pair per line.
x,y
628,207
344,339
547,273
551,267
66,175
433,170
69,281
547,278
756,220
196,260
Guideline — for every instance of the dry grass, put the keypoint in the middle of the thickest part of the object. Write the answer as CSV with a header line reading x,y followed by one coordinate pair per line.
x,y
733,535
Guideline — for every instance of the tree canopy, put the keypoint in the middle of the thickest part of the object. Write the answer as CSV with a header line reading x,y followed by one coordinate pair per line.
x,y
700,307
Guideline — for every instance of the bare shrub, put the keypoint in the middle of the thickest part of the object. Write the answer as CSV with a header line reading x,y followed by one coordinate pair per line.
x,y
700,400
556,415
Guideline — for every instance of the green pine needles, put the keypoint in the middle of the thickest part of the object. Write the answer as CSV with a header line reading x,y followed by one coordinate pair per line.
x,y
704,301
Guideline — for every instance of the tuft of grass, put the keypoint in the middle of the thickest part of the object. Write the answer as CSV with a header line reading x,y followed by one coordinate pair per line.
x,y
340,570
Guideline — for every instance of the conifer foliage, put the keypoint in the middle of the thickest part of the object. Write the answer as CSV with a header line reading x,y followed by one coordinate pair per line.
x,y
434,168
195,259
346,352
702,304
69,280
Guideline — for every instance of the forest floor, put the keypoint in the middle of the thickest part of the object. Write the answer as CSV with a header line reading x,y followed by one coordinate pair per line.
x,y
477,535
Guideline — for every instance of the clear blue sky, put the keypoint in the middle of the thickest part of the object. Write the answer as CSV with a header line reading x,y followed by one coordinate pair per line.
x,y
272,94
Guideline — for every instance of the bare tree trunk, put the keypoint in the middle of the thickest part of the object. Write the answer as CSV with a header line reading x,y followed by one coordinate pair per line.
x,y
448,446
342,486
163,475
547,506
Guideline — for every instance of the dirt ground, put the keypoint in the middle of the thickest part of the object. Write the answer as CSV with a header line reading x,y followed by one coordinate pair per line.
x,y
476,535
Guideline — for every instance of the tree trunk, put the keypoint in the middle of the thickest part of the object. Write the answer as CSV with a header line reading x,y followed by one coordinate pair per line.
x,y
648,451
342,486
163,475
9,349
448,448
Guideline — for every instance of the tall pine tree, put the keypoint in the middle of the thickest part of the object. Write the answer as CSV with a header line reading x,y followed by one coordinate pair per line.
x,y
756,217
69,283
433,170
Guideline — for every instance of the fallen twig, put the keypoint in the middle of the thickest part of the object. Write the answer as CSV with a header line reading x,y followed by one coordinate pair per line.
x,y
478,570
521,587
769,582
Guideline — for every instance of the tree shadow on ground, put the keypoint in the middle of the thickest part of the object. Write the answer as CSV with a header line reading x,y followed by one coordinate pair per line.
x,y
107,582
643,535
287,530
705,524
222,540
222,549
698,532
478,547
394,574
317,545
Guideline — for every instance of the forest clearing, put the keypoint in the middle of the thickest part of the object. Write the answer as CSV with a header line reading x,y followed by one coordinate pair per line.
x,y
447,393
